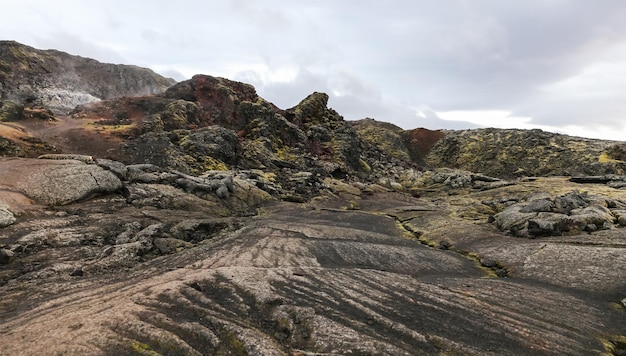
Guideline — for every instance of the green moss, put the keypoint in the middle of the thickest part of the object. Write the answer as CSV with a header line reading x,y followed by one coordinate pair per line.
x,y
473,256
366,167
618,307
385,139
140,348
230,345
353,205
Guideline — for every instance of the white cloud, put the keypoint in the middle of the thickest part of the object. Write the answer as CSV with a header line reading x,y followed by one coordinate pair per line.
x,y
554,64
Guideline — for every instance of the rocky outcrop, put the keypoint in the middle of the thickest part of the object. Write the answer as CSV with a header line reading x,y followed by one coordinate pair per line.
x,y
114,277
516,153
56,182
568,214
6,217
60,81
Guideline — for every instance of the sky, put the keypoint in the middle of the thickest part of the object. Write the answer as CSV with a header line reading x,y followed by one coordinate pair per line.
x,y
557,65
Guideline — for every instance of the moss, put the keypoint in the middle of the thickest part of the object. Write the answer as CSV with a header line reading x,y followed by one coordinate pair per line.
x,y
286,153
353,205
140,348
366,167
618,307
427,241
11,111
230,345
614,345
605,158
473,256
384,138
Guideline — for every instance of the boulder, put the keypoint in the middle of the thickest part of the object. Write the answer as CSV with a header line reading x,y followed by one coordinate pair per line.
x,y
6,218
6,256
568,213
56,182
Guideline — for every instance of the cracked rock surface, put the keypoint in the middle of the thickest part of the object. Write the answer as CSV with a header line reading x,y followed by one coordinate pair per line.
x,y
56,182
363,270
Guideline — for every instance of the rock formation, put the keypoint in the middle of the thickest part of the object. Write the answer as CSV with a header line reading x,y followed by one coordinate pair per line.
x,y
204,220
59,81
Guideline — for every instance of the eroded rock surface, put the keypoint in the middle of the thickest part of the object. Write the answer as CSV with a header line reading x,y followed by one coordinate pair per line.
x,y
56,182
61,81
358,269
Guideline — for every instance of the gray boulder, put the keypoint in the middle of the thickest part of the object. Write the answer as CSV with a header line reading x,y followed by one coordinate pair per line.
x,y
57,182
569,213
6,218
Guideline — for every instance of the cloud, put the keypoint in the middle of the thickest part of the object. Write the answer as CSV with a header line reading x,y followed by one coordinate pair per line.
x,y
558,63
351,97
77,46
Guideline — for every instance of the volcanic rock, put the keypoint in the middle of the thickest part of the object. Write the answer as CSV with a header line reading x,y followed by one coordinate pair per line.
x,y
61,81
6,217
56,182
205,220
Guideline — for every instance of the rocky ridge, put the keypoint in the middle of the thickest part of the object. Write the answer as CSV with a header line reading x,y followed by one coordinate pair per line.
x,y
59,81
206,220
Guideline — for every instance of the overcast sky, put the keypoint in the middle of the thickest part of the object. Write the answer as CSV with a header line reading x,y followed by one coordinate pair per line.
x,y
553,64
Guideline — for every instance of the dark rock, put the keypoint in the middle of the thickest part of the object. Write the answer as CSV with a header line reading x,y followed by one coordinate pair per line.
x,y
590,179
566,203
591,227
118,168
489,262
539,227
77,272
6,256
501,272
198,230
539,205
444,245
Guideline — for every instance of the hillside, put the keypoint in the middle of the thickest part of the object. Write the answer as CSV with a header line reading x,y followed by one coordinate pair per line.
x,y
197,218
60,81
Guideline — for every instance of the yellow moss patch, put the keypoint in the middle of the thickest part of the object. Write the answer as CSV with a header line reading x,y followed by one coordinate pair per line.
x,y
605,158
143,349
613,344
366,167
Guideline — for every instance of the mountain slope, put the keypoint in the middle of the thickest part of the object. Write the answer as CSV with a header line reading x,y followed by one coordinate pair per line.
x,y
60,81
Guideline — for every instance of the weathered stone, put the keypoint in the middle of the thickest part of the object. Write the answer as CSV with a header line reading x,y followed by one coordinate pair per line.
x,y
6,218
594,214
5,256
70,80
75,157
538,205
198,230
118,168
57,182
566,203
222,192
621,216
170,245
